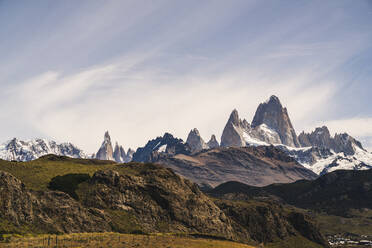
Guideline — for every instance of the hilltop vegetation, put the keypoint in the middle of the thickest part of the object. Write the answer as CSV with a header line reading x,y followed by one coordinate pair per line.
x,y
103,196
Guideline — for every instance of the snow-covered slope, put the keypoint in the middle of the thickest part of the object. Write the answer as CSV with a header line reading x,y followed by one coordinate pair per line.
x,y
361,160
20,150
324,160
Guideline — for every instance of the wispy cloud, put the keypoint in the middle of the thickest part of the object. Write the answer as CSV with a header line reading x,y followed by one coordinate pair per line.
x,y
139,69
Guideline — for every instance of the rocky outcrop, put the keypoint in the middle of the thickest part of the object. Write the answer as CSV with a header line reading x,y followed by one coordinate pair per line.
x,y
21,150
105,152
195,141
48,211
251,165
213,143
273,115
160,147
132,197
267,222
159,199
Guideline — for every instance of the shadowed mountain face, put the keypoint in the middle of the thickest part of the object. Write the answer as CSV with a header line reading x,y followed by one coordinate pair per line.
x,y
334,193
251,165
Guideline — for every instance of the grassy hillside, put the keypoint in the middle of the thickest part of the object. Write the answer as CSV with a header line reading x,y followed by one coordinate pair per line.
x,y
129,198
38,173
358,222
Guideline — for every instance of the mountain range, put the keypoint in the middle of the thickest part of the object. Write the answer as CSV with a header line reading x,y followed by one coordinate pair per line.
x,y
210,163
20,150
317,151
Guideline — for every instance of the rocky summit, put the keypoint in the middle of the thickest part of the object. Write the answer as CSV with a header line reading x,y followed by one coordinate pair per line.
x,y
195,141
317,151
273,115
160,147
270,125
234,132
321,137
213,143
105,152
118,154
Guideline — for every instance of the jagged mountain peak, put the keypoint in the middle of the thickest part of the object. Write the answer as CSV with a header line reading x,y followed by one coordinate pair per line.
x,y
347,144
195,131
195,141
274,100
234,130
213,143
234,117
107,136
162,145
320,137
106,151
274,116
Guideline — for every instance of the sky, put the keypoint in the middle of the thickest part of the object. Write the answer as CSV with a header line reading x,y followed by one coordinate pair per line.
x,y
70,70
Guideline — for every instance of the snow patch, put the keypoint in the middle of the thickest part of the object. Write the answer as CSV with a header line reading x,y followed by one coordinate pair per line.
x,y
250,141
162,148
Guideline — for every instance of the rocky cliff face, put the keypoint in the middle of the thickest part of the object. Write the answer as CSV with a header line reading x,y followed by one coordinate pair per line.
x,y
213,143
105,152
195,141
267,222
158,196
274,116
20,150
49,211
159,147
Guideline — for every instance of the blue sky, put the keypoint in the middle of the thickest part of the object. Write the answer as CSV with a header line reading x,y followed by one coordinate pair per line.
x,y
70,70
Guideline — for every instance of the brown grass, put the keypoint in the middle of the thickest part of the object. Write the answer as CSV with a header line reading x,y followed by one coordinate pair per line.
x,y
116,240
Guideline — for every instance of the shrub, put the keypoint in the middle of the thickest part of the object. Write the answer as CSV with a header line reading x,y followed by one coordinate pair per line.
x,y
68,183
